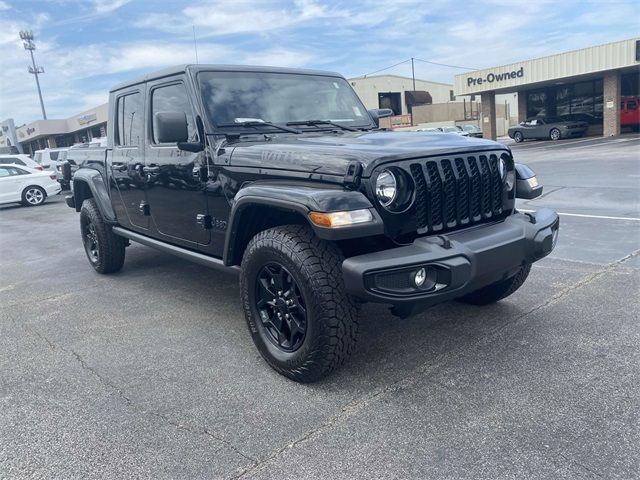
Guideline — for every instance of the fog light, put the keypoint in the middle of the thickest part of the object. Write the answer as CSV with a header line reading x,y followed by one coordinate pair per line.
x,y
419,277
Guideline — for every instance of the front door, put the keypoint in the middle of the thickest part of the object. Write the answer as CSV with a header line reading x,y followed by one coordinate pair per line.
x,y
128,179
175,182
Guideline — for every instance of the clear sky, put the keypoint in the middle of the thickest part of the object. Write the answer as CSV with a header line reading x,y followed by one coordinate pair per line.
x,y
86,46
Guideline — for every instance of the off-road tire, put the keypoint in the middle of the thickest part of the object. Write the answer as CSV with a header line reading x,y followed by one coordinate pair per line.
x,y
499,290
332,315
30,190
518,137
111,247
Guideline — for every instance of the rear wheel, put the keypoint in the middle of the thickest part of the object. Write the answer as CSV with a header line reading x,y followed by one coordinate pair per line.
x,y
300,318
498,290
105,250
33,196
518,137
554,134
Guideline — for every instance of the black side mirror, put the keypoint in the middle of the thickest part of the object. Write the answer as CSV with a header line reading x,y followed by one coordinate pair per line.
x,y
66,171
527,185
170,127
378,113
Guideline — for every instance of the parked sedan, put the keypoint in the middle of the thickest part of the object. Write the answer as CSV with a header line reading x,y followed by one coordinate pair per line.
x,y
473,130
552,128
20,160
457,130
26,185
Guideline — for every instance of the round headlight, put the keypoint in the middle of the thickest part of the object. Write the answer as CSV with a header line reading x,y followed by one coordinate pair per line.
x,y
386,188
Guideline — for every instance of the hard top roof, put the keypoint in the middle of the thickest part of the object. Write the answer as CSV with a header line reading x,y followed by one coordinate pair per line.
x,y
217,68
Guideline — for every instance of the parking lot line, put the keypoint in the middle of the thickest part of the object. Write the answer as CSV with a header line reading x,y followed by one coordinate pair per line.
x,y
610,142
584,215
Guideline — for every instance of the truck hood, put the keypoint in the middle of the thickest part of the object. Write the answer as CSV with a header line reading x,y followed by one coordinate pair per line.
x,y
331,154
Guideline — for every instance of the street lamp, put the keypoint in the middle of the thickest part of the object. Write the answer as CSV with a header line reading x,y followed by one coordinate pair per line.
x,y
27,38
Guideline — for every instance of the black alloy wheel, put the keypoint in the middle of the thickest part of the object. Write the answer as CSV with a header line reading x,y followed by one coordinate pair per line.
x,y
90,240
281,306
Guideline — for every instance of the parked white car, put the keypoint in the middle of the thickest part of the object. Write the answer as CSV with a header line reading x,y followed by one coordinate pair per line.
x,y
26,185
20,160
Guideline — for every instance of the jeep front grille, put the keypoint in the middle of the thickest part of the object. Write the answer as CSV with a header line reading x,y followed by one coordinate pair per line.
x,y
454,192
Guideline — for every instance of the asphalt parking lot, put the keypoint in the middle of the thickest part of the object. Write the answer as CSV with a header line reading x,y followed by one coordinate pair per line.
x,y
151,372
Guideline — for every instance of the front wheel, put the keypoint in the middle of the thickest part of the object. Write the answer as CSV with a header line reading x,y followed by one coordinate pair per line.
x,y
33,196
554,134
105,250
300,318
518,137
498,290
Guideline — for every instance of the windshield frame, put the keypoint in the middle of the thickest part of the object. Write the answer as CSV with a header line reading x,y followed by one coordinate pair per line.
x,y
367,124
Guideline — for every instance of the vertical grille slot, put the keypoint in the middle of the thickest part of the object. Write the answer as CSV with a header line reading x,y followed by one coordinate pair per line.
x,y
496,181
421,195
463,191
485,181
449,182
434,184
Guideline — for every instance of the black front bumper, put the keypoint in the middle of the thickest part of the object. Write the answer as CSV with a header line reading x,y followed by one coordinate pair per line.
x,y
456,264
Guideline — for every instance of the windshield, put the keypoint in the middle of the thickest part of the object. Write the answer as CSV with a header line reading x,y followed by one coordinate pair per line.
x,y
279,98
450,129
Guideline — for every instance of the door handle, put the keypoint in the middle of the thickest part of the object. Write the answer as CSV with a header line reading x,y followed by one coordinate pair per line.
x,y
150,169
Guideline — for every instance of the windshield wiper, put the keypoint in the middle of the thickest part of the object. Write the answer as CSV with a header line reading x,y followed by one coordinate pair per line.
x,y
311,123
255,123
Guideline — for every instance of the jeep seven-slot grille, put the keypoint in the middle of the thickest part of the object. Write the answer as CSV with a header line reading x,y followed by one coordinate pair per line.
x,y
458,191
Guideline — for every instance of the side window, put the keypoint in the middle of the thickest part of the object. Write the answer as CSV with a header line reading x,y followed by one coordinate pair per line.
x,y
172,98
38,157
53,156
4,172
632,105
129,119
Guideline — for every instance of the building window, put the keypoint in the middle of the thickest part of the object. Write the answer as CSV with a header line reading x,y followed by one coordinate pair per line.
x,y
578,101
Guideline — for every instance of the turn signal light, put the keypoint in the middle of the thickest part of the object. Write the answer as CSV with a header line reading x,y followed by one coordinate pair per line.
x,y
340,219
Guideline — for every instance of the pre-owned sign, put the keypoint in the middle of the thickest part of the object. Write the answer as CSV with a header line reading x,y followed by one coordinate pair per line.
x,y
495,77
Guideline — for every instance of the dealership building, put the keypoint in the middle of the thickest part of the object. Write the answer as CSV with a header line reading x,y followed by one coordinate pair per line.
x,y
80,128
585,84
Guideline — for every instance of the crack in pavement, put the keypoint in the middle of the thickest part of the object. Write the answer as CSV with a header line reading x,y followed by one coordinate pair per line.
x,y
430,368
581,465
106,382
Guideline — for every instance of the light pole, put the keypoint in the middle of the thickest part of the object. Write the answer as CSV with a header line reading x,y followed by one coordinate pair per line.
x,y
27,38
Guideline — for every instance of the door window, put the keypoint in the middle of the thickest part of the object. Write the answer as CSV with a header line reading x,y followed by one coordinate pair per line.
x,y
4,172
172,98
129,119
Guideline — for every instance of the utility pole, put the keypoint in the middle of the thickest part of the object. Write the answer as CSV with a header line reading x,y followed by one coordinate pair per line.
x,y
27,39
413,75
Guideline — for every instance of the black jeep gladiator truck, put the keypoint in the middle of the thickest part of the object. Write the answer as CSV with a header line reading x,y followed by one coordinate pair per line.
x,y
283,176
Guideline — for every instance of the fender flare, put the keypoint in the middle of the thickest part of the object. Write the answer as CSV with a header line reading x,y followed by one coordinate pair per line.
x,y
301,199
87,178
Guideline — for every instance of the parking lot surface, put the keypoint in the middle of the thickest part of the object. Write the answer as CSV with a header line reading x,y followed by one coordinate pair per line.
x,y
151,372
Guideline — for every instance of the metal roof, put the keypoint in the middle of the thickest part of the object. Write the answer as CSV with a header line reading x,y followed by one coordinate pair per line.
x,y
217,68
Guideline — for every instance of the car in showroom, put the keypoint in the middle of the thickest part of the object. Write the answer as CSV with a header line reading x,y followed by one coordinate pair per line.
x,y
27,186
547,128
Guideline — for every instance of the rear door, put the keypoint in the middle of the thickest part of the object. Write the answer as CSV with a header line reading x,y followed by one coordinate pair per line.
x,y
128,181
10,182
176,188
